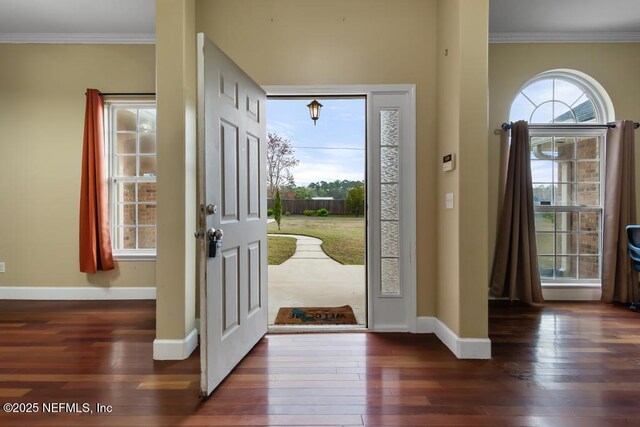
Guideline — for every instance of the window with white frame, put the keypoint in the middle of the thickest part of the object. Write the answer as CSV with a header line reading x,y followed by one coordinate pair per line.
x,y
567,173
132,177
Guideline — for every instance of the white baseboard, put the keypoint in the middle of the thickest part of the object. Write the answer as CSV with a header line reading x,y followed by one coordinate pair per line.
x,y
462,348
76,293
566,292
391,328
559,293
178,349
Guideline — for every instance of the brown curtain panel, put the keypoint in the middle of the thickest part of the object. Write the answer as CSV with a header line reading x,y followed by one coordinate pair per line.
x,y
619,279
515,264
95,241
502,172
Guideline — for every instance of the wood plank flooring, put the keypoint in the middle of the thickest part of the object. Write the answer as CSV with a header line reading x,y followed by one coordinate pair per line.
x,y
565,364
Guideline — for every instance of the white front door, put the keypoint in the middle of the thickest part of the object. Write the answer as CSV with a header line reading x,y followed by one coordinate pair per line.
x,y
232,193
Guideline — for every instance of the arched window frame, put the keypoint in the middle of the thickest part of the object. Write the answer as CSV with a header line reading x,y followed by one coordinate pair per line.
x,y
604,113
594,90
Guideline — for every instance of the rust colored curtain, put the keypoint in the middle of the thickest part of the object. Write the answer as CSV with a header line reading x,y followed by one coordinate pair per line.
x,y
95,241
515,264
619,279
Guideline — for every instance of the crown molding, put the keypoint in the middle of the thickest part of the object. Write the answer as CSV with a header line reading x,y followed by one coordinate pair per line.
x,y
78,38
559,37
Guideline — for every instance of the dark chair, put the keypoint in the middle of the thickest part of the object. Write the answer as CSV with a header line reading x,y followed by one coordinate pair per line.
x,y
633,249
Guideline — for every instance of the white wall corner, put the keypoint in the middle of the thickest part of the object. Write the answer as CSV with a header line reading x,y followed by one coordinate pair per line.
x,y
76,293
177,349
198,325
463,348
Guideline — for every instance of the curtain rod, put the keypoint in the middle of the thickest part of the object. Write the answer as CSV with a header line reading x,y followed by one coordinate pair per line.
x,y
507,126
129,94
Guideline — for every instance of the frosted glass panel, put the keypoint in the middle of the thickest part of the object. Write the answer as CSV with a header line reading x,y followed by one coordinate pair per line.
x,y
389,125
390,277
389,161
126,119
147,120
389,238
126,143
389,201
147,143
125,166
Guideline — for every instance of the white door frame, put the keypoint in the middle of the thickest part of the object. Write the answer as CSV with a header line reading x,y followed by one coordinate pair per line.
x,y
408,271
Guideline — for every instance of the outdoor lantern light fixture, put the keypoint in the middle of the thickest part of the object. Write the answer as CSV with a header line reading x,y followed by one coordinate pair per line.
x,y
314,110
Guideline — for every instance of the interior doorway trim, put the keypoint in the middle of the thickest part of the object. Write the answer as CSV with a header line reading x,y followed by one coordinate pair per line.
x,y
384,314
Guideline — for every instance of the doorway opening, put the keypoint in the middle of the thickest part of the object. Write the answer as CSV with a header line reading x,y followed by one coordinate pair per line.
x,y
317,223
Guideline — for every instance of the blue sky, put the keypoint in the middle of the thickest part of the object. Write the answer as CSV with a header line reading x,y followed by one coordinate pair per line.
x,y
341,125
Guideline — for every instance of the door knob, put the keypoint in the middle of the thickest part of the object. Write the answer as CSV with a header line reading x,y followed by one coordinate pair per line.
x,y
212,209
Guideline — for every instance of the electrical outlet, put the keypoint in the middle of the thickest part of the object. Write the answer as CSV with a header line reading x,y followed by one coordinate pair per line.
x,y
1,267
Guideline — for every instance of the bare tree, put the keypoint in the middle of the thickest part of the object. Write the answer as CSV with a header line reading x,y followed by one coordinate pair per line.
x,y
280,161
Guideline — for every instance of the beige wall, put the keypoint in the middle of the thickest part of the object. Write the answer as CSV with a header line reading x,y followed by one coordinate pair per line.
x,y
614,66
355,42
41,125
462,122
176,98
473,162
448,136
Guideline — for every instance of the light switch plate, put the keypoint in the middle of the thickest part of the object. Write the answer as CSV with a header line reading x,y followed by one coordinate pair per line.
x,y
449,200
1,267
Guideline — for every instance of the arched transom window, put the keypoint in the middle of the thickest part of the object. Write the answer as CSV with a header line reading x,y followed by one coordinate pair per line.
x,y
555,99
564,109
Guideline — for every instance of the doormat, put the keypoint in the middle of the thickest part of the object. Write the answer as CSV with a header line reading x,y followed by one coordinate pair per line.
x,y
316,316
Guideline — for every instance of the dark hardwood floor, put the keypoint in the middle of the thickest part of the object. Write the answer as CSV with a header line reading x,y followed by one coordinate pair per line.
x,y
565,364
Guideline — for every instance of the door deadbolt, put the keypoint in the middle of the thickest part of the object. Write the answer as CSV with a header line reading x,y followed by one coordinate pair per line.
x,y
212,209
215,241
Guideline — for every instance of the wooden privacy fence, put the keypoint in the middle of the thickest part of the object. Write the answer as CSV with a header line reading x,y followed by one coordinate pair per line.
x,y
297,207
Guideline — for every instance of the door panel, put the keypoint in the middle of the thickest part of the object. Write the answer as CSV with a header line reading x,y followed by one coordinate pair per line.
x,y
229,168
253,176
232,152
254,277
230,290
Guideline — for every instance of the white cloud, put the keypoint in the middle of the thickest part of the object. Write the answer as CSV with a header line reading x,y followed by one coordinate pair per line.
x,y
281,128
306,173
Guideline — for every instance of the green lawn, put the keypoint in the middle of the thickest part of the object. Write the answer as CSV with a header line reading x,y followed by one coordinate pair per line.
x,y
280,249
544,238
343,237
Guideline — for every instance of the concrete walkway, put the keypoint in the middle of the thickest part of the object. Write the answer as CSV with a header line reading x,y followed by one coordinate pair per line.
x,y
311,279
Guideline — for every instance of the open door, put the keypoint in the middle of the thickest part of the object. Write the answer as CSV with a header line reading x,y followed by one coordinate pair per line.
x,y
233,221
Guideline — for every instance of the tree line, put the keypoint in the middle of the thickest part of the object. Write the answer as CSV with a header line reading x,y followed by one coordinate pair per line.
x,y
281,185
338,189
